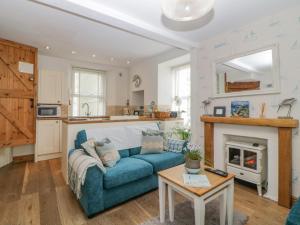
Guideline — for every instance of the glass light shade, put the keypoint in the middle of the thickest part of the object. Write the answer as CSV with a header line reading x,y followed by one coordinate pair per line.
x,y
186,10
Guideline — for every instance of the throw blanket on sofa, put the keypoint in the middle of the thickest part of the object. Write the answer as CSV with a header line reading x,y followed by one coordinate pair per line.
x,y
79,162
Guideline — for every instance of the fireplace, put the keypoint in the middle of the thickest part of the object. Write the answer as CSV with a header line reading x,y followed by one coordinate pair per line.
x,y
248,161
278,136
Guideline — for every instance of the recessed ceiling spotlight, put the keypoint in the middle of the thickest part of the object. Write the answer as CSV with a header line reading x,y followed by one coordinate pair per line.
x,y
73,52
112,59
94,55
48,47
128,62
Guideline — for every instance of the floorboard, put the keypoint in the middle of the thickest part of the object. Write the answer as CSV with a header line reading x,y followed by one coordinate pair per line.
x,y
35,193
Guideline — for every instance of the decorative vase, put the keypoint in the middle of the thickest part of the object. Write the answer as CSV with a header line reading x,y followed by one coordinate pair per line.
x,y
192,166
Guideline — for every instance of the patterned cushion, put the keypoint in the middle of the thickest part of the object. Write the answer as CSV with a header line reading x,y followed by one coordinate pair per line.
x,y
107,152
175,145
152,142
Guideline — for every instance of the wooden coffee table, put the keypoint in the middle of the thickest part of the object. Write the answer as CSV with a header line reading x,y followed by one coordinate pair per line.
x,y
222,187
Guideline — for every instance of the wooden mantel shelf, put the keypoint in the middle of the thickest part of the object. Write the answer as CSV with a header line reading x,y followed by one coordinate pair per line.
x,y
285,136
268,122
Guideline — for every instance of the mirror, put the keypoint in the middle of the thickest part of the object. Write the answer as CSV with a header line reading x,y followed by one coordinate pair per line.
x,y
255,72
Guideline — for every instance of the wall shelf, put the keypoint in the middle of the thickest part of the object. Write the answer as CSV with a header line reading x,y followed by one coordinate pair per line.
x,y
267,122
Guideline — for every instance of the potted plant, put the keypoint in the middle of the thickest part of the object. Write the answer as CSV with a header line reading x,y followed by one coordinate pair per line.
x,y
183,133
193,158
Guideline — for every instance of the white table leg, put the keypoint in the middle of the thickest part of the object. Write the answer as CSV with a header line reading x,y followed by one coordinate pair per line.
x,y
199,208
259,189
171,202
230,202
223,204
162,199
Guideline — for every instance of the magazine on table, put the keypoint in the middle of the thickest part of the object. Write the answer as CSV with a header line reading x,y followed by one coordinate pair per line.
x,y
194,180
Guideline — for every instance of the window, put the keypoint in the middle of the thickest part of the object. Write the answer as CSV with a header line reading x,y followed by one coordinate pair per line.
x,y
182,92
88,92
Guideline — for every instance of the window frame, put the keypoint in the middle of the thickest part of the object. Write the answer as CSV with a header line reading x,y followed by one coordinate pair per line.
x,y
174,71
99,97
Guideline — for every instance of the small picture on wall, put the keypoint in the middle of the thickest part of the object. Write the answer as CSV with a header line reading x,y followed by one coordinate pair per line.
x,y
220,111
240,109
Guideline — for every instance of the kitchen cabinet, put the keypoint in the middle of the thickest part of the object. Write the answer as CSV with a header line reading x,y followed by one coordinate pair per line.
x,y
48,144
50,87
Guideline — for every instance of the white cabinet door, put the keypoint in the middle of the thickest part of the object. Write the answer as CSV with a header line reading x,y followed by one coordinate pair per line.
x,y
50,87
48,137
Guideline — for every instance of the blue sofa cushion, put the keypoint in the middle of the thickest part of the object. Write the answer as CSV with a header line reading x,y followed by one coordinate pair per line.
x,y
124,153
127,170
135,151
294,215
163,160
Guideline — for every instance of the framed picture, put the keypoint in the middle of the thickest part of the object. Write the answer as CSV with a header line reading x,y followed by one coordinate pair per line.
x,y
220,111
173,114
240,108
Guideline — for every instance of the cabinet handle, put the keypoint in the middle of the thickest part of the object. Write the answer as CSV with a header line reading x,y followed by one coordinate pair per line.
x,y
56,121
242,174
58,101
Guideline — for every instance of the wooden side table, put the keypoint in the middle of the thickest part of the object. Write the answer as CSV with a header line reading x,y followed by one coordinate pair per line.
x,y
221,187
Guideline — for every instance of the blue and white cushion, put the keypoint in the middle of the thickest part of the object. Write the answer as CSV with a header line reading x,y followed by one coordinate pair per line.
x,y
175,145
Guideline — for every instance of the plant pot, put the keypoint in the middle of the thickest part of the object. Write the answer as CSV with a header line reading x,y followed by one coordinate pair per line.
x,y
192,166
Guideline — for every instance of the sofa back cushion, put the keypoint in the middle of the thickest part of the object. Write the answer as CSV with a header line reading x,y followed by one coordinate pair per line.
x,y
135,151
124,153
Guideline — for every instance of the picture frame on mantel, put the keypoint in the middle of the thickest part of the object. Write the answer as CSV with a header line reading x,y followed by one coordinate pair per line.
x,y
220,111
240,109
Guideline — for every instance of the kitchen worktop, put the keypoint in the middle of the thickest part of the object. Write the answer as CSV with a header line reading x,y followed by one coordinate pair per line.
x,y
85,120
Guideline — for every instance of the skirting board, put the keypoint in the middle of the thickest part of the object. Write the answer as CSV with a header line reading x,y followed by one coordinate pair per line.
x,y
48,156
23,158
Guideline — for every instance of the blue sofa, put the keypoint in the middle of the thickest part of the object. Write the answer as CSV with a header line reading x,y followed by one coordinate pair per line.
x,y
294,215
133,175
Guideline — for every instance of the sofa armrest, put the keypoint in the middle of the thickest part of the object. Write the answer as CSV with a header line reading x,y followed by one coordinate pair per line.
x,y
92,192
294,215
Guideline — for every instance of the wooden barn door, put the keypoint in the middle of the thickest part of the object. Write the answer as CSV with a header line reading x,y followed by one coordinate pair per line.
x,y
18,79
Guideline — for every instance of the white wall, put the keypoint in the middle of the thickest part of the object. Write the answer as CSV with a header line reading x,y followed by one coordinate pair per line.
x,y
148,71
117,86
282,29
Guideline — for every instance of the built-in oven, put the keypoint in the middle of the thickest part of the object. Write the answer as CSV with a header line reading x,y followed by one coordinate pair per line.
x,y
48,111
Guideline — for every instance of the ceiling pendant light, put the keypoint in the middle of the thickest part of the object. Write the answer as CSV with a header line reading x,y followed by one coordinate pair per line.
x,y
186,10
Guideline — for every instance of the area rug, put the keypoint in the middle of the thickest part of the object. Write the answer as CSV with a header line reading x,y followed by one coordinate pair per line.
x,y
184,215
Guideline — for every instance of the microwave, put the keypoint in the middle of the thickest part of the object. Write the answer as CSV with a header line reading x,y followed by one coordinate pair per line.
x,y
48,111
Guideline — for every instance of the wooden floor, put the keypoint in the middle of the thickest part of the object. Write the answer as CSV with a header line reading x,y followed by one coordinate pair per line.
x,y
35,193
